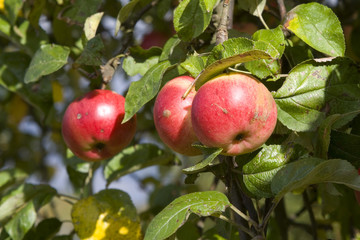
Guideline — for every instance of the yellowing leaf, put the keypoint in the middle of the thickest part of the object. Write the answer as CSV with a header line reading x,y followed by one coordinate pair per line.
x,y
106,215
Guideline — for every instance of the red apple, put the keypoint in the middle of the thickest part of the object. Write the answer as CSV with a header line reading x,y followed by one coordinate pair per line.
x,y
172,116
235,112
357,193
154,39
92,128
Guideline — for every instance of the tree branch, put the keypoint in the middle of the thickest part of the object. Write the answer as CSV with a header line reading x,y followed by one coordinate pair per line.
x,y
222,29
282,9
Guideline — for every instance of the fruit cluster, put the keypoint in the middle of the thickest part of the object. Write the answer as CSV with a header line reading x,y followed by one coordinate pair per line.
x,y
232,111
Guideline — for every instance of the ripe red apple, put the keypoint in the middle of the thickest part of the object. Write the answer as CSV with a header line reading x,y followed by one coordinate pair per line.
x,y
235,112
357,193
154,39
92,128
172,116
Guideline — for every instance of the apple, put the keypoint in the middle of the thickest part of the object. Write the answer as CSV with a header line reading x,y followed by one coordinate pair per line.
x,y
91,125
154,39
357,193
172,116
235,112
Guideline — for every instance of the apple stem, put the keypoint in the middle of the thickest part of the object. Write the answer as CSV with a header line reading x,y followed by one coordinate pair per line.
x,y
188,90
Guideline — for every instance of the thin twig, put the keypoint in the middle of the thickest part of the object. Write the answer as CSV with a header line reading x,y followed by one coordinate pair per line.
x,y
244,229
244,216
311,215
282,8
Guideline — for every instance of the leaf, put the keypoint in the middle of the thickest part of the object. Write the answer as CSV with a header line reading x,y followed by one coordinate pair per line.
x,y
128,10
318,26
18,208
346,146
191,18
194,65
316,89
260,170
22,222
135,158
77,169
12,9
46,229
174,50
255,7
210,155
308,171
12,176
273,36
177,212
264,68
81,10
91,25
48,59
92,52
140,61
145,89
232,52
12,69
108,214
323,138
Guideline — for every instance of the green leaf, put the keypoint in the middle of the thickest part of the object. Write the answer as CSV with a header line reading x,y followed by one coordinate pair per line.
x,y
316,89
145,89
273,36
46,229
191,18
194,65
91,25
92,52
346,146
18,208
12,70
36,12
255,7
177,212
174,50
21,222
318,26
9,177
323,138
260,170
308,171
48,59
210,155
81,10
77,169
128,10
264,68
12,9
140,61
232,52
135,158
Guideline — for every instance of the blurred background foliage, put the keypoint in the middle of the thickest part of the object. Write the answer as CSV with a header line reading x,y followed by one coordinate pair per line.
x,y
30,119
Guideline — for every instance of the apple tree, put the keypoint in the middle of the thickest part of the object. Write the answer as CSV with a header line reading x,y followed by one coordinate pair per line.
x,y
298,61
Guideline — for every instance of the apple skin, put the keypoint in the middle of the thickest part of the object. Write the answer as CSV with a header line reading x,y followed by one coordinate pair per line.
x,y
235,112
357,193
172,116
92,128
